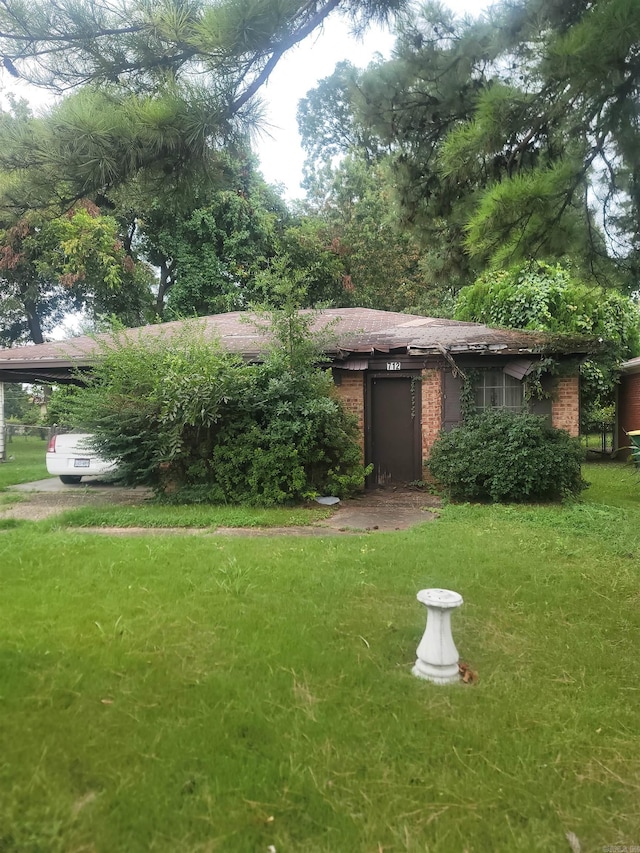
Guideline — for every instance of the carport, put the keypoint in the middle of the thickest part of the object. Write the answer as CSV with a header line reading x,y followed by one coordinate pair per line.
x,y
45,364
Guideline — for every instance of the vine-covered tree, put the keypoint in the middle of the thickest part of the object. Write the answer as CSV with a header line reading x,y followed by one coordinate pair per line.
x,y
307,268
550,298
219,251
227,243
207,237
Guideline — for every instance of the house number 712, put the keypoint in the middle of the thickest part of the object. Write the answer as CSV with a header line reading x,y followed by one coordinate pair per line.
x,y
394,365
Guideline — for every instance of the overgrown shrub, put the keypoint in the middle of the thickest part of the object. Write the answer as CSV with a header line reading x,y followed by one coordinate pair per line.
x,y
294,439
200,425
59,407
506,456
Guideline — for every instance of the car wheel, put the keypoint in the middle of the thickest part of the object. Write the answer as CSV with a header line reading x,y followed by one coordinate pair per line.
x,y
69,479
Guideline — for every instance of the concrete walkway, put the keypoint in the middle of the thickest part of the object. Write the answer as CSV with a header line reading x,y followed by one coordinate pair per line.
x,y
378,510
385,509
46,498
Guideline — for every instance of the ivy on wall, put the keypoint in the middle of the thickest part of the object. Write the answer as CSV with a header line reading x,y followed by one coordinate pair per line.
x,y
533,384
470,379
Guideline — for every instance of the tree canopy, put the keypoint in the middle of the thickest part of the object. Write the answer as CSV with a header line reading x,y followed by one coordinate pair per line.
x,y
159,86
74,262
481,144
233,45
351,200
352,206
159,101
513,135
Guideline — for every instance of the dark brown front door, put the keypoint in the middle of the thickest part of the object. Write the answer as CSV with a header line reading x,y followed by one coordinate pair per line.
x,y
394,445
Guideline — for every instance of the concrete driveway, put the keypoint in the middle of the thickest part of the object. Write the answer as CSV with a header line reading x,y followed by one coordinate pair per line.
x,y
49,497
54,484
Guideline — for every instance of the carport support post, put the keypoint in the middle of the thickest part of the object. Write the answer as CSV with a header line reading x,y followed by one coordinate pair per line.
x,y
3,449
437,654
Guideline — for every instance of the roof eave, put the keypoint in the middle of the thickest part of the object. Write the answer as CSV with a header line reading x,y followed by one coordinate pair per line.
x,y
630,367
475,349
45,363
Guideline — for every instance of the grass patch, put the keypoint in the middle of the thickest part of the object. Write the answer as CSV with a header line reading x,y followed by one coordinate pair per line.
x,y
11,523
613,484
164,694
26,461
154,515
8,500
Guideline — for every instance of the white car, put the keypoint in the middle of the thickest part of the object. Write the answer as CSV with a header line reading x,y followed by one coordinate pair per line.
x,y
71,457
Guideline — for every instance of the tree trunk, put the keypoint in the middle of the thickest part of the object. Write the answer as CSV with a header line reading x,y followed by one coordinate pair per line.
x,y
167,270
33,321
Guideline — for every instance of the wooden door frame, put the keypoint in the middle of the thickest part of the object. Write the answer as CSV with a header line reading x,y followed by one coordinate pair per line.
x,y
415,375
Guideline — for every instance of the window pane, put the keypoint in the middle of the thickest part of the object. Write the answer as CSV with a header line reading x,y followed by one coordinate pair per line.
x,y
493,379
514,392
497,397
496,390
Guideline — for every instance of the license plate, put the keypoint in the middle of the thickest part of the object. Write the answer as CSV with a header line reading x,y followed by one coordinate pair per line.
x,y
81,463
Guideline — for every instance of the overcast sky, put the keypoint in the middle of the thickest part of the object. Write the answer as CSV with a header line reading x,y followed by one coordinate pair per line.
x,y
278,146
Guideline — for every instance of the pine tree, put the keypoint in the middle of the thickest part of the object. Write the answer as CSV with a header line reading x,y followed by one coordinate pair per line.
x,y
153,86
518,130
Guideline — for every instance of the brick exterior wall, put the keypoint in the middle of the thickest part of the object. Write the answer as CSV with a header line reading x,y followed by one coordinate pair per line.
x,y
351,392
628,409
565,405
565,408
431,410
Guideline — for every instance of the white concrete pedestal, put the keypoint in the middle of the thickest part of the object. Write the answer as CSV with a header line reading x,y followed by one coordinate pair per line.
x,y
437,654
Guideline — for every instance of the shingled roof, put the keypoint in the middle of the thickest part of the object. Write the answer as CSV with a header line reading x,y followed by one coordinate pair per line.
x,y
348,330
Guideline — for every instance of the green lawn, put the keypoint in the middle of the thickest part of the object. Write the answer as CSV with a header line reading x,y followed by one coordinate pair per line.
x,y
201,516
173,694
26,461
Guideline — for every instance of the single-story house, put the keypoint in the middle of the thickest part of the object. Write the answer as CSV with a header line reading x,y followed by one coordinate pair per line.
x,y
404,377
628,403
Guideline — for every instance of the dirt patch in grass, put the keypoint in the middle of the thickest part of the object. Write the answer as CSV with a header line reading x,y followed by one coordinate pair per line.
x,y
36,506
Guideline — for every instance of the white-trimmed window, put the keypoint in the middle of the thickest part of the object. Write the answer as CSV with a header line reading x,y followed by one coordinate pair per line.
x,y
495,389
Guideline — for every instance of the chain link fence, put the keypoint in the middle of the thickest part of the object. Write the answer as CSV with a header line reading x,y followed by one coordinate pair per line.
x,y
41,433
599,438
22,436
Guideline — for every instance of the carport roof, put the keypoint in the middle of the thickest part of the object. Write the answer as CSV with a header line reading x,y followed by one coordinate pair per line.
x,y
348,330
